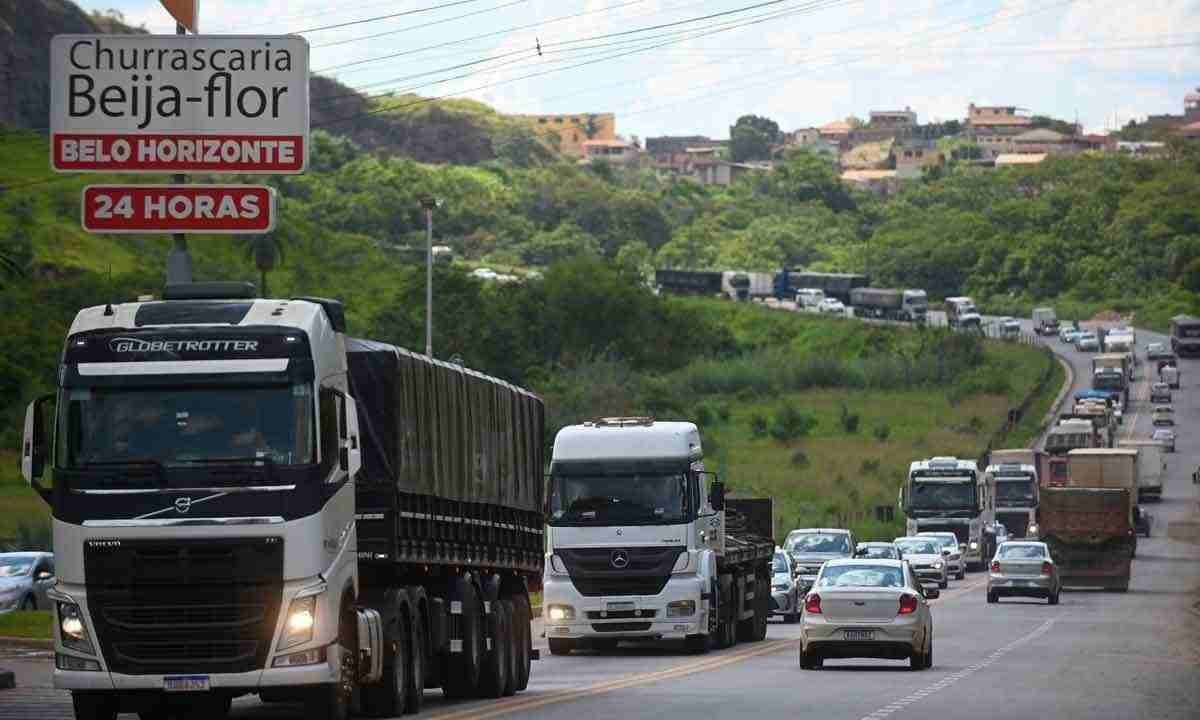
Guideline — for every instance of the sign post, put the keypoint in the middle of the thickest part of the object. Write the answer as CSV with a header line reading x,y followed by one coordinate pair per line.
x,y
179,261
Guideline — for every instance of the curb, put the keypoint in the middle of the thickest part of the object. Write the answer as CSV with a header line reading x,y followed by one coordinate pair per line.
x,y
27,643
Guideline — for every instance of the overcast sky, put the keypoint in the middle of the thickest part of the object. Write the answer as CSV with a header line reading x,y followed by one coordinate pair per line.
x,y
800,62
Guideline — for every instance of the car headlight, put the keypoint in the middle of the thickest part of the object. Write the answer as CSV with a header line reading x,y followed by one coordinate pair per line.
x,y
683,563
974,545
558,613
937,564
72,628
557,566
1033,528
301,618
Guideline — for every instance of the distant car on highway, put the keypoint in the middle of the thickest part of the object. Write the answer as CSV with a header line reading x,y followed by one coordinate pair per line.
x,y
24,579
1158,351
1009,327
810,548
1165,436
1160,392
1069,334
1162,416
484,274
924,554
867,608
785,591
831,306
951,551
1087,341
1023,568
807,298
877,551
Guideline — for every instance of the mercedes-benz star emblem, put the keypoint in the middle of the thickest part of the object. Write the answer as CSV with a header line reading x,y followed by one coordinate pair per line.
x,y
183,504
619,559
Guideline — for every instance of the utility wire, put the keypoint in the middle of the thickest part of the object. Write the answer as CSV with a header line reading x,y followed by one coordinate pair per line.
x,y
377,18
420,26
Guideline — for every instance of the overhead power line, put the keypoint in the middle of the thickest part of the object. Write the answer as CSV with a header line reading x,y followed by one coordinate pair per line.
x,y
377,18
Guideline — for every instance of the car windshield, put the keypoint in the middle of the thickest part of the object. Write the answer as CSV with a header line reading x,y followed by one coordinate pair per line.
x,y
881,576
15,567
919,547
779,564
1022,552
948,541
109,426
819,543
634,498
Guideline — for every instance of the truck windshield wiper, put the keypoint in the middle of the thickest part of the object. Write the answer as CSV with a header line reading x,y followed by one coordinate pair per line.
x,y
152,463
264,461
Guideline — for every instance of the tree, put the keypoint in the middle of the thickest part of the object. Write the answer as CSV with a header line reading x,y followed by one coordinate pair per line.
x,y
567,240
752,137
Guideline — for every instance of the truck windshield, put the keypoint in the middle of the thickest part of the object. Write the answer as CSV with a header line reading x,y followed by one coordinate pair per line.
x,y
942,495
176,426
628,499
1188,331
1014,490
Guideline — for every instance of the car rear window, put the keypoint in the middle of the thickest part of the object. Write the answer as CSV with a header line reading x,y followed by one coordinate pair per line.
x,y
819,543
1022,552
861,576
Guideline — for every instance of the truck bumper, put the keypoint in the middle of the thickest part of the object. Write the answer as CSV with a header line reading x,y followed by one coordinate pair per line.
x,y
319,674
625,616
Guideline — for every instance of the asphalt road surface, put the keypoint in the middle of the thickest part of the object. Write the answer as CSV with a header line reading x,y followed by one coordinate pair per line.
x,y
1097,655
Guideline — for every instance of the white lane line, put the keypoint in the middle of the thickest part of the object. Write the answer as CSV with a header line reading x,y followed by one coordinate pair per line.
x,y
966,672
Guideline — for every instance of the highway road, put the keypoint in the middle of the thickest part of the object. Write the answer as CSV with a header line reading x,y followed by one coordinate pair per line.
x,y
1096,655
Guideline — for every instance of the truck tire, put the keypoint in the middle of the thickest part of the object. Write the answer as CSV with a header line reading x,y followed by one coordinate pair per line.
x,y
417,650
494,676
560,646
94,706
745,628
523,639
762,607
389,696
461,679
332,702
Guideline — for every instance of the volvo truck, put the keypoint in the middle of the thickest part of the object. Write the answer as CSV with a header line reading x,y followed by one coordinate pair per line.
x,y
946,494
247,501
1012,484
638,545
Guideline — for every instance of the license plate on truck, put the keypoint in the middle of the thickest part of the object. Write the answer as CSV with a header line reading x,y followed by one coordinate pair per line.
x,y
186,683
860,634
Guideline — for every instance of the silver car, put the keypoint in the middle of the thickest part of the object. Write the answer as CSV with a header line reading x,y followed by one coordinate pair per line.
x,y
951,550
1087,342
785,591
1160,392
1023,568
810,548
1165,436
24,579
867,608
925,556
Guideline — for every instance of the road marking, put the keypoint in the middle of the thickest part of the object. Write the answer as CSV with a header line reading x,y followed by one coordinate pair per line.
x,y
966,672
531,702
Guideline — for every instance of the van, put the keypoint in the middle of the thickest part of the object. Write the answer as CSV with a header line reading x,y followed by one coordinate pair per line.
x,y
809,298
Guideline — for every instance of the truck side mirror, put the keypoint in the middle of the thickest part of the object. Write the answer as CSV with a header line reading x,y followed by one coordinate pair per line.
x,y
33,444
716,495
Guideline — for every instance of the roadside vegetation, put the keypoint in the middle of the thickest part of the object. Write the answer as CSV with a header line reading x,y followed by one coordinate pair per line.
x,y
28,624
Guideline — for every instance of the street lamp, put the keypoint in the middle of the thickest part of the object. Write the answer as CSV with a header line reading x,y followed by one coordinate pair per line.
x,y
429,203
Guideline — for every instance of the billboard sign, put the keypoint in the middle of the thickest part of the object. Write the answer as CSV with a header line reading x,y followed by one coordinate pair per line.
x,y
210,209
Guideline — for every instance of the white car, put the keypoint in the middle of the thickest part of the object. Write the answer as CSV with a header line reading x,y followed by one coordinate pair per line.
x,y
483,274
831,306
924,555
871,608
1166,436
1087,342
951,551
809,298
1160,392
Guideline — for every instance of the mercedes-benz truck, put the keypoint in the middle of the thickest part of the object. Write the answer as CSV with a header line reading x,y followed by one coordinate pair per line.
x,y
246,501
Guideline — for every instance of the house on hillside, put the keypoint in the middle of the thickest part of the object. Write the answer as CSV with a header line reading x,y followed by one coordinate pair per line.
x,y
808,139
912,157
838,133
1191,114
869,156
671,152
568,132
1011,159
885,124
1042,140
616,151
993,127
883,183
725,173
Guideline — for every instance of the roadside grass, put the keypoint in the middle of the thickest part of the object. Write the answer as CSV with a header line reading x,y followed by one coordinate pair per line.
x,y
32,624
19,504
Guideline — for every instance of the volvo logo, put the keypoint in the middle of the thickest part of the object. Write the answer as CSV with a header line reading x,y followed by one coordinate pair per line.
x,y
619,559
182,505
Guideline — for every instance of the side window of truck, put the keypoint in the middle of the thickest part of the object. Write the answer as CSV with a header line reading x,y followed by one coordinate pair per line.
x,y
331,412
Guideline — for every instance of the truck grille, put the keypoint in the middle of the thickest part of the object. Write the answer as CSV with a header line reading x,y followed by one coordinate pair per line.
x,y
206,606
621,627
642,571
1016,523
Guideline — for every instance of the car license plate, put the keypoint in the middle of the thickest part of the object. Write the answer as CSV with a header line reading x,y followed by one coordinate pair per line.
x,y
186,683
860,634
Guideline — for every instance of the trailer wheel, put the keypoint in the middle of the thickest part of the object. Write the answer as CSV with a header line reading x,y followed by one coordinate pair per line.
x,y
522,641
416,651
462,676
494,677
762,606
745,628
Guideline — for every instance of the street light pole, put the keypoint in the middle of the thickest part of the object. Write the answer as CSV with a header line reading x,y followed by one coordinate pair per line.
x,y
428,203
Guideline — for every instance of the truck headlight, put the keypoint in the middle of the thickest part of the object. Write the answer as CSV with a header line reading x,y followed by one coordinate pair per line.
x,y
974,545
301,617
681,608
683,563
937,564
1033,528
72,629
558,613
557,566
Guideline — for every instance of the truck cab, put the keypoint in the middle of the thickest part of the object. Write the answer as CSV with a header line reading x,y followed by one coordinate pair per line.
x,y
946,494
914,306
1045,321
637,547
1013,488
961,313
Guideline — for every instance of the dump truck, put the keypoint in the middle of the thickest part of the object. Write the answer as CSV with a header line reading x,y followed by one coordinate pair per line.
x,y
1089,524
834,285
689,282
247,501
883,303
642,546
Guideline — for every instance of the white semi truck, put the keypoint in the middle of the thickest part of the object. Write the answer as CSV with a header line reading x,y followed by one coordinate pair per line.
x,y
246,501
637,543
946,494
961,313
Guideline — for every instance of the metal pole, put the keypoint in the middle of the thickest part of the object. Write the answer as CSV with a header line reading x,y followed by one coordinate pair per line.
x,y
428,203
179,261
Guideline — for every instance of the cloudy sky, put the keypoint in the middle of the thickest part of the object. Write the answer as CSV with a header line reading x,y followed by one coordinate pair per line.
x,y
691,67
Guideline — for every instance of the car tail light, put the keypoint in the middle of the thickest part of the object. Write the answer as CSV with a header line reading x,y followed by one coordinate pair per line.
x,y
1046,568
812,604
908,604
996,566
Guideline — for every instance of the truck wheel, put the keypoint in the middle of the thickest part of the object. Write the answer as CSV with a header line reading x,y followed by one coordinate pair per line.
x,y
29,603
94,706
416,651
332,702
390,695
762,606
462,677
745,628
1052,599
494,678
560,646
511,653
523,639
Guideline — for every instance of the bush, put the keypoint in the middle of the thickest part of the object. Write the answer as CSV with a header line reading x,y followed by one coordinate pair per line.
x,y
800,459
791,423
703,415
758,425
869,466
882,432
723,412
849,420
